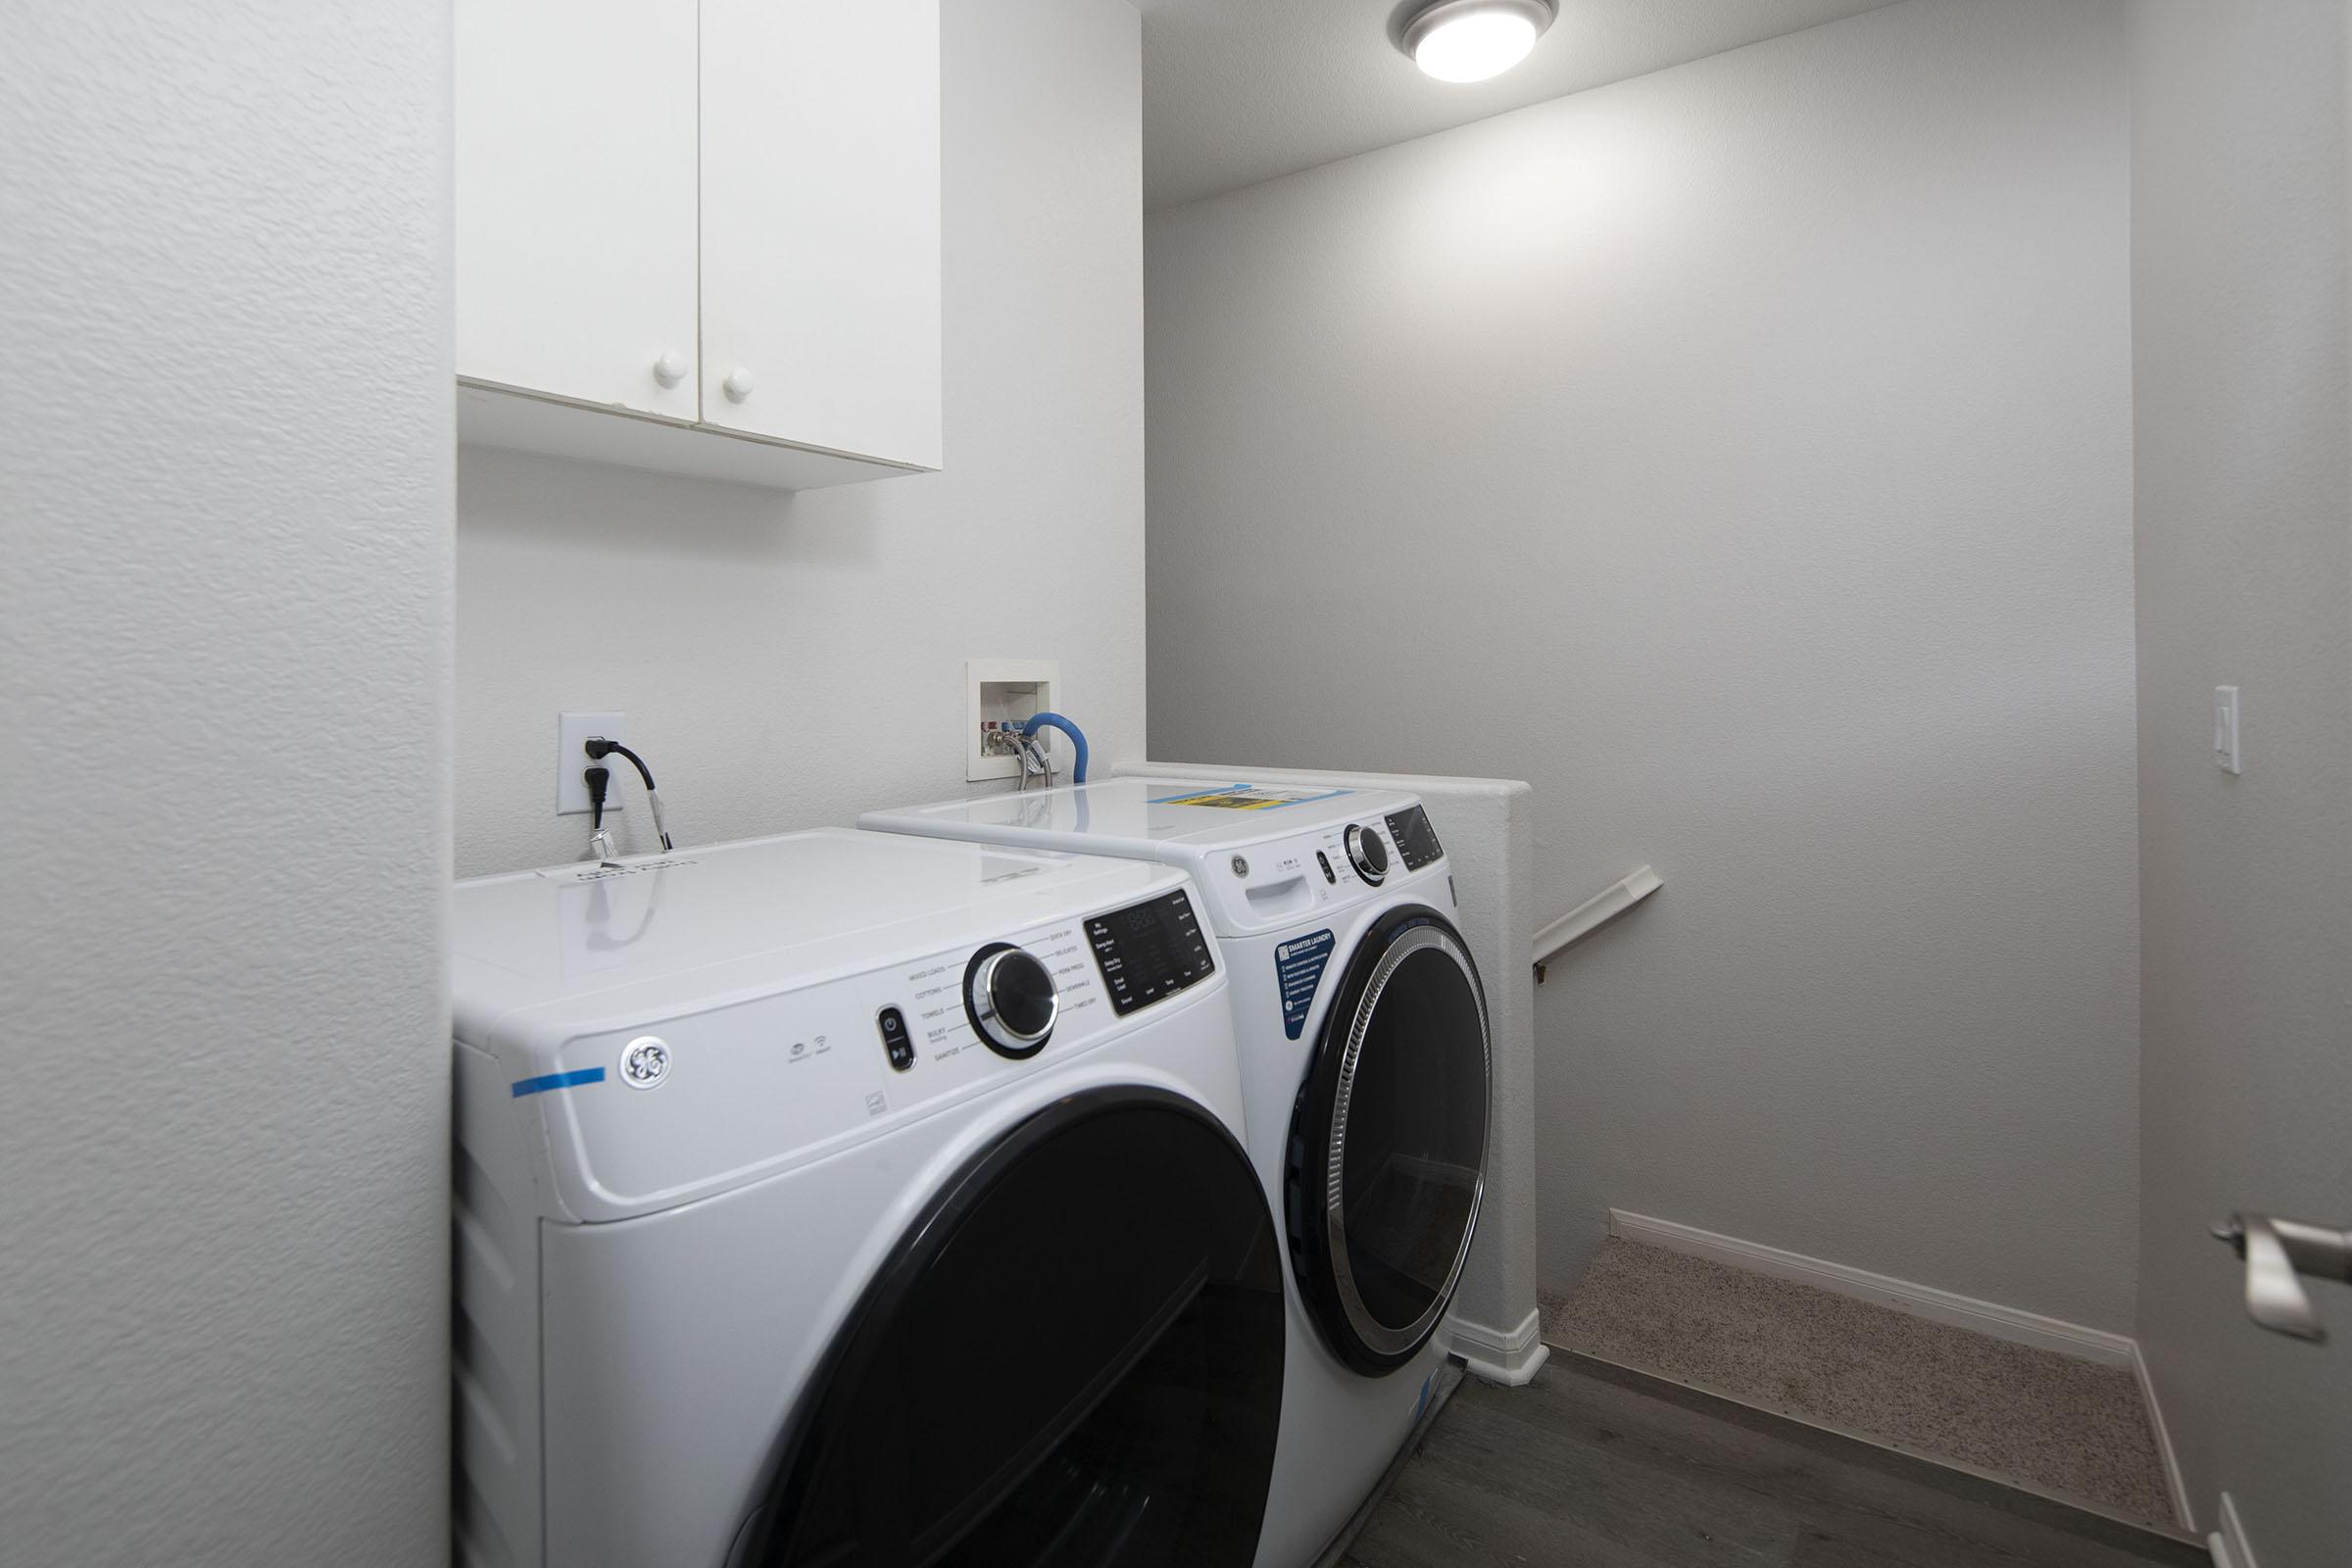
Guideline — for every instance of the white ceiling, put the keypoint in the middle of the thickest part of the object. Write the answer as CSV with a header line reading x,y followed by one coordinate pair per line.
x,y
1235,91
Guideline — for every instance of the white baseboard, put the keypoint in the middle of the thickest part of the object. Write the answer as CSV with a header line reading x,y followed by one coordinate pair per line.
x,y
1919,1300
2173,1484
1509,1357
2229,1544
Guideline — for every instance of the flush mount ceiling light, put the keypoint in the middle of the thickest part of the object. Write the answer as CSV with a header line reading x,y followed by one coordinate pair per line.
x,y
1470,40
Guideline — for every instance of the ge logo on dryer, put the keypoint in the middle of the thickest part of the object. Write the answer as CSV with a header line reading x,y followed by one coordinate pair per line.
x,y
645,1062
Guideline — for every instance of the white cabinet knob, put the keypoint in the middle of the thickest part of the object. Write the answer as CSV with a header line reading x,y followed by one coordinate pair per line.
x,y
738,384
671,368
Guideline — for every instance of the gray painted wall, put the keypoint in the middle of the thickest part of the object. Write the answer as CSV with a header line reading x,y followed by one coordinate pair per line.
x,y
1742,455
224,616
787,661
2244,478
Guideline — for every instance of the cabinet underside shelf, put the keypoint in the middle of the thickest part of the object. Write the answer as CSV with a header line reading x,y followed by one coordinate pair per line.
x,y
524,421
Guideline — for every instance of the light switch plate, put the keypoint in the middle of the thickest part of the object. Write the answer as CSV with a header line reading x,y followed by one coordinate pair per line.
x,y
2226,754
573,734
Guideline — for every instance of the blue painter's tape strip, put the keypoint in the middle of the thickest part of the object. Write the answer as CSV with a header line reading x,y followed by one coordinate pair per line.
x,y
558,1080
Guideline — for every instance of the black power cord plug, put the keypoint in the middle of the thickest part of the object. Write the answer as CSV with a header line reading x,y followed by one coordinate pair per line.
x,y
600,843
599,780
599,748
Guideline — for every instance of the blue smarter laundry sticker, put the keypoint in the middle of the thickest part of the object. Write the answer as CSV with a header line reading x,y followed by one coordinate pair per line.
x,y
1298,969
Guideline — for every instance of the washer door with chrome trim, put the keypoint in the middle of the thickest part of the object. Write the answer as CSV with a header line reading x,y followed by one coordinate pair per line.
x,y
1388,1145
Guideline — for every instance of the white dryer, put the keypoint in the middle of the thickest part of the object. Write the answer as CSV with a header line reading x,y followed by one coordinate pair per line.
x,y
849,1199
1364,1047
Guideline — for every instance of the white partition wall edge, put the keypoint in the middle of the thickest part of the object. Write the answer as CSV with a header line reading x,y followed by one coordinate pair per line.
x,y
1489,833
224,624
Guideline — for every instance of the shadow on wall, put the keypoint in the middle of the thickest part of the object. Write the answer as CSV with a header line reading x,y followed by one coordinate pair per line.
x,y
632,513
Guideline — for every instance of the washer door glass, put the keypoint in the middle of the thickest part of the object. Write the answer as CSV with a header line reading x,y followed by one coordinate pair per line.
x,y
1389,1142
1074,1357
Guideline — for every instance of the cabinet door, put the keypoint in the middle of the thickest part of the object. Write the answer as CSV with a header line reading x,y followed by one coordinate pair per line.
x,y
575,199
820,223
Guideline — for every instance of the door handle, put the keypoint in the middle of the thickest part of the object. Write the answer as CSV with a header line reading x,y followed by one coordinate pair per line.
x,y
2276,1252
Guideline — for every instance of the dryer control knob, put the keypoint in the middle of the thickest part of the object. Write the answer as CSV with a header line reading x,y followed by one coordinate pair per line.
x,y
1011,998
1367,854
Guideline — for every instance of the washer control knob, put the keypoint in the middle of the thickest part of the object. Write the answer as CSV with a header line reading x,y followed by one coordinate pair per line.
x,y
1011,998
1367,854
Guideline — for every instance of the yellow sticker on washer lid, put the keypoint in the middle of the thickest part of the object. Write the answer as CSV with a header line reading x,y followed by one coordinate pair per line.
x,y
1246,798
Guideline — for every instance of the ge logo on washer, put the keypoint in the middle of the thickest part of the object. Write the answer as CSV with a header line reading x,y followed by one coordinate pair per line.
x,y
645,1064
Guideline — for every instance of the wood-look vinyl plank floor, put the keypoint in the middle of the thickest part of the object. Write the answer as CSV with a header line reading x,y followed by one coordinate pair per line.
x,y
1596,1466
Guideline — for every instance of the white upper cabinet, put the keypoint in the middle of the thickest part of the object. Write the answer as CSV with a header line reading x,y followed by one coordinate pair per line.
x,y
702,237
820,264
577,231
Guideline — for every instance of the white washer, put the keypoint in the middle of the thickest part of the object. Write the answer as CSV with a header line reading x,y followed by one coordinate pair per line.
x,y
1364,1048
842,1197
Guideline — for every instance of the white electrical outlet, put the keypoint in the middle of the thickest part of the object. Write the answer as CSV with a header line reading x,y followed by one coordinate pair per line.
x,y
573,734
999,692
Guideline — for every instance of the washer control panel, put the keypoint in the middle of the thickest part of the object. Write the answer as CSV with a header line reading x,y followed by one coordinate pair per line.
x,y
1415,839
1275,884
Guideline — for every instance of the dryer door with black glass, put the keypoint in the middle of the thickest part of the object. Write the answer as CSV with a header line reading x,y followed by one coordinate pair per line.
x,y
1387,1142
1073,1357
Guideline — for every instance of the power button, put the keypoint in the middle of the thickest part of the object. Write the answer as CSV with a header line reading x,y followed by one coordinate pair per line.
x,y
894,1038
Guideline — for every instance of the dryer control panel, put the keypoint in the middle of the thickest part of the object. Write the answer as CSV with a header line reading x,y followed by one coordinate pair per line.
x,y
1149,951
677,1103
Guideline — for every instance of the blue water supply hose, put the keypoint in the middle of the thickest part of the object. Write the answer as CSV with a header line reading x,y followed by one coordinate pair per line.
x,y
1037,721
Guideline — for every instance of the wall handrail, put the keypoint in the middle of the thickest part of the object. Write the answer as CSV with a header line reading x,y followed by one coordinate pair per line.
x,y
1591,915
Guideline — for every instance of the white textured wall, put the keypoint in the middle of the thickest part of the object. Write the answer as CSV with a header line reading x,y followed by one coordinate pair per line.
x,y
1740,455
2239,259
787,661
224,623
